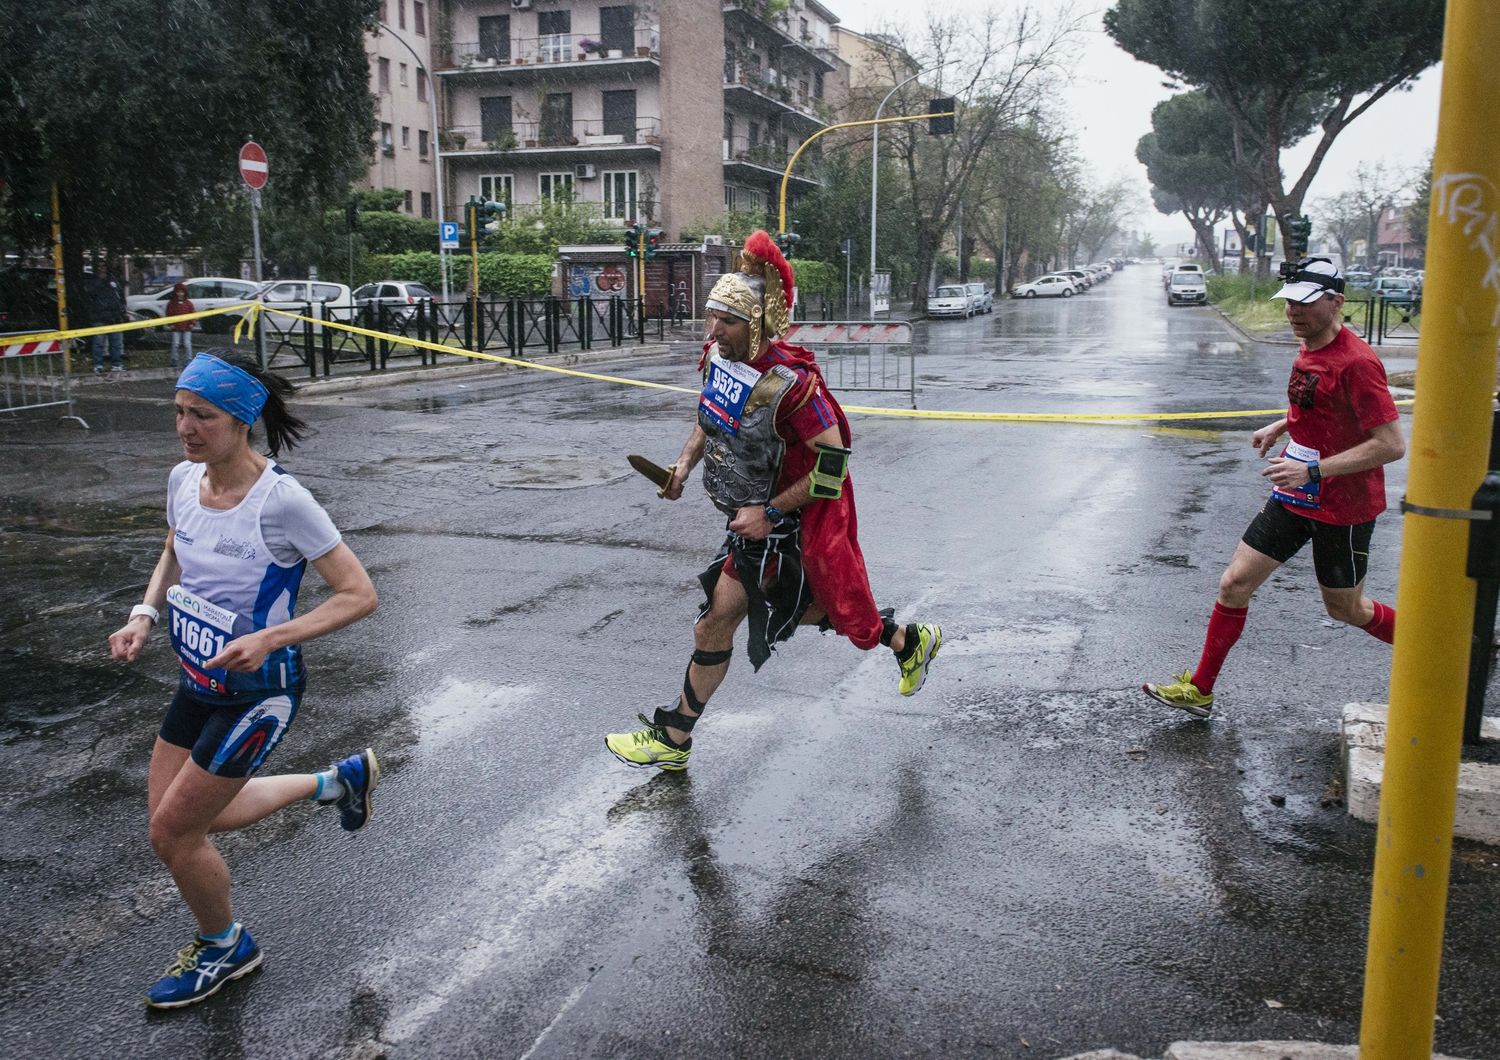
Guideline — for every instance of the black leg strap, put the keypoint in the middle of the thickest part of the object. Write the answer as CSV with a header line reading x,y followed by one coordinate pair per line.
x,y
712,658
675,718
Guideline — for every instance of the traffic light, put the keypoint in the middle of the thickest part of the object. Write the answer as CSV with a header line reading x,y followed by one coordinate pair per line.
x,y
632,241
945,125
491,214
788,241
653,242
1298,232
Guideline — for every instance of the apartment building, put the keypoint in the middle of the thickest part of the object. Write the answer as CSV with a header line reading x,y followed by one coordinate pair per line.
x,y
406,146
662,111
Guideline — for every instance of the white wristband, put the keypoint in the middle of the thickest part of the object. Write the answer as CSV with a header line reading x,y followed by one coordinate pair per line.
x,y
146,609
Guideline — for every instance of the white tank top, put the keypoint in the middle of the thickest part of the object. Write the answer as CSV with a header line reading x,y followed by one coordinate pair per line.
x,y
232,585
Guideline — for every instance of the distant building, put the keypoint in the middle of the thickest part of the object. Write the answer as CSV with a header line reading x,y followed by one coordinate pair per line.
x,y
1393,241
405,150
663,111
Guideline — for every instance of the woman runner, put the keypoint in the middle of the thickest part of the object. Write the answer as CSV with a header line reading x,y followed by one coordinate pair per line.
x,y
241,532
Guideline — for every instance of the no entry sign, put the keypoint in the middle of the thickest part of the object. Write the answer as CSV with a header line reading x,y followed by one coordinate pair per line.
x,y
253,168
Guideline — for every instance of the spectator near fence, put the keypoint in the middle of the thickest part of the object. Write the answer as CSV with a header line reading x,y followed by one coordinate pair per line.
x,y
181,331
104,302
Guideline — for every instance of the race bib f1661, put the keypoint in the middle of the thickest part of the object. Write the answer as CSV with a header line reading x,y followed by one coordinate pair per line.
x,y
199,631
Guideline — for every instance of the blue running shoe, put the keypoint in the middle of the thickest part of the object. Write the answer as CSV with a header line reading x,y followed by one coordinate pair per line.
x,y
358,774
201,970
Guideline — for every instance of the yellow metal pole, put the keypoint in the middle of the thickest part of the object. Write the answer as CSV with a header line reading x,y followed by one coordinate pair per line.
x,y
62,287
640,271
1449,449
787,176
473,275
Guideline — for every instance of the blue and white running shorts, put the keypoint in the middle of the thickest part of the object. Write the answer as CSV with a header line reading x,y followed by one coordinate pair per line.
x,y
229,740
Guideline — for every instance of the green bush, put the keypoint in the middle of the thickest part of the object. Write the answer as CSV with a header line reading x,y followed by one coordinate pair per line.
x,y
500,275
817,277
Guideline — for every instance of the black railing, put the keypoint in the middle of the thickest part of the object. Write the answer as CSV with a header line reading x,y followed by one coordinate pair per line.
x,y
511,327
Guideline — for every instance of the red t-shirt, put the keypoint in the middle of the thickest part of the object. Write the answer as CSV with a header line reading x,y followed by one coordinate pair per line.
x,y
1336,396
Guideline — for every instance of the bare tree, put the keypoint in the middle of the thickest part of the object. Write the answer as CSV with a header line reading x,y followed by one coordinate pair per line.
x,y
999,69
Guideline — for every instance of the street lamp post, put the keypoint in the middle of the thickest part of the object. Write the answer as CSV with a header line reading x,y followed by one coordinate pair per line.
x,y
875,172
437,153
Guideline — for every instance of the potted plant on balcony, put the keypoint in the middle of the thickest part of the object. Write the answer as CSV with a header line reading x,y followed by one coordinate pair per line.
x,y
453,141
588,48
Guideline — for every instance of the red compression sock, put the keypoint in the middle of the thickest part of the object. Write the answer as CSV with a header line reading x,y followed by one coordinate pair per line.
x,y
1383,625
1224,628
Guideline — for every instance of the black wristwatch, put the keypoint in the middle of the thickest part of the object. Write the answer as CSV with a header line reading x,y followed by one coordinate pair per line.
x,y
1314,472
775,515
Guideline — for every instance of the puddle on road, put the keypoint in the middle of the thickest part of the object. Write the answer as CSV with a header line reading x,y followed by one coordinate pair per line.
x,y
76,519
459,707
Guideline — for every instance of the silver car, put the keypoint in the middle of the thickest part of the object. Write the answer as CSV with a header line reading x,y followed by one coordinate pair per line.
x,y
980,297
399,296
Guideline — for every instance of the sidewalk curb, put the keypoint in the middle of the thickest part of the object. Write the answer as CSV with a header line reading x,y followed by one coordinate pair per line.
x,y
1255,1050
1290,343
1362,731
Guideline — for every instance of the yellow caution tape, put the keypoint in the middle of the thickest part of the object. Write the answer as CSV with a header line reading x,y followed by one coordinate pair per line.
x,y
256,309
134,325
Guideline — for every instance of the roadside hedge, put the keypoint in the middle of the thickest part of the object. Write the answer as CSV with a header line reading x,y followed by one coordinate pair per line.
x,y
500,275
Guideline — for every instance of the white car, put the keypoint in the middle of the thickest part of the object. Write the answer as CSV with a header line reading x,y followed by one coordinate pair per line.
x,y
205,292
1187,287
1054,284
299,296
951,300
984,300
1172,270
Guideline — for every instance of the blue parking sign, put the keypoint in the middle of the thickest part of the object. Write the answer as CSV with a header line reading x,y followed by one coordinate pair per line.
x,y
448,234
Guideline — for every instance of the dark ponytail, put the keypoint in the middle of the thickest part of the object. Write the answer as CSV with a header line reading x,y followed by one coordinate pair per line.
x,y
283,429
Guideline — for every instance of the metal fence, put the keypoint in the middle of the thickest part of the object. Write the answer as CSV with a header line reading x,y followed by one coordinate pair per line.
x,y
513,327
862,355
1379,320
35,375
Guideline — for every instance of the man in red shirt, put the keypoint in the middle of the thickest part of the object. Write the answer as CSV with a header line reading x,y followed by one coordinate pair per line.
x,y
1327,483
775,448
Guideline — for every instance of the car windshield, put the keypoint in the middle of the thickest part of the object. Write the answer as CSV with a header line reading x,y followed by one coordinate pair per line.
x,y
950,292
1187,277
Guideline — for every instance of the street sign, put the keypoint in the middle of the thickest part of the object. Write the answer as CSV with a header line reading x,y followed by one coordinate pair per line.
x,y
253,168
448,235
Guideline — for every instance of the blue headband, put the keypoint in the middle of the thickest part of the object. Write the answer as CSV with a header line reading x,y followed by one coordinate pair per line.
x,y
220,383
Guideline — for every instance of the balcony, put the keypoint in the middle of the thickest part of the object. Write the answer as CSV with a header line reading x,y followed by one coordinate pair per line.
x,y
752,14
581,53
584,139
753,163
751,89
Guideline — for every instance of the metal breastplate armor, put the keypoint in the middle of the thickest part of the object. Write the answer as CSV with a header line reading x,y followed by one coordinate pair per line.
x,y
741,469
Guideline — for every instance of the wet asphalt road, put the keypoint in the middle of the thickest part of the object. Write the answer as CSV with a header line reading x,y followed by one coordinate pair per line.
x,y
1028,858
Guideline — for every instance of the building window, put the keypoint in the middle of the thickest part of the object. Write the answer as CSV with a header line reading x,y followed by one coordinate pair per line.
x,y
497,187
554,187
422,139
406,137
557,118
402,74
406,200
619,195
387,138
754,133
422,85
400,14
427,204
384,12
617,28
383,68
802,92
495,119
555,28
619,115
494,37
419,17
817,84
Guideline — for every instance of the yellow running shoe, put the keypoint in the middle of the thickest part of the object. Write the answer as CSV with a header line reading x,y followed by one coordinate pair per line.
x,y
914,669
647,747
1183,695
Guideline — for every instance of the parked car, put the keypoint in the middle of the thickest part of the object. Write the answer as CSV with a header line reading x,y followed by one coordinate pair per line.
x,y
296,296
1052,285
1187,287
401,296
1082,281
983,299
1357,278
951,300
205,292
1173,270
1394,288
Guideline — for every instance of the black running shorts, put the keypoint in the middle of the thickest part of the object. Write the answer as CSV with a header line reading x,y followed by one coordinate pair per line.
x,y
1340,553
234,739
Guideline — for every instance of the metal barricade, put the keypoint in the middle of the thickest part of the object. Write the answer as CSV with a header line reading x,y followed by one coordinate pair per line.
x,y
862,355
35,375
